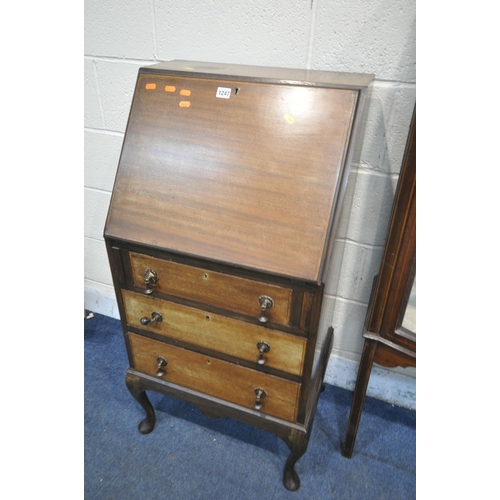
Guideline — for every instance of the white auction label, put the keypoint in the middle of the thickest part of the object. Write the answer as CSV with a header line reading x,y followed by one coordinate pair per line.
x,y
223,93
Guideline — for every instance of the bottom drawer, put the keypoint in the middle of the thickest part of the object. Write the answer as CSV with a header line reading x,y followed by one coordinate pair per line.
x,y
215,377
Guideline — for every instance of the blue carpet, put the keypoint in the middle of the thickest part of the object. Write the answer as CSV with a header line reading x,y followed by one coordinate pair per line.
x,y
189,456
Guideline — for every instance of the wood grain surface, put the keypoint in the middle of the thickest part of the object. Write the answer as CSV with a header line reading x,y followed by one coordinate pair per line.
x,y
249,180
210,287
216,377
216,332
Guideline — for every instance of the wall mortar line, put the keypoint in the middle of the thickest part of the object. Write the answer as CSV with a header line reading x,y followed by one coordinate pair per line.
x,y
98,91
153,28
312,27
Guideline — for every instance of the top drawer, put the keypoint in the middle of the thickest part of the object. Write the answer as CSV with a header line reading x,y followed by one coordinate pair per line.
x,y
229,292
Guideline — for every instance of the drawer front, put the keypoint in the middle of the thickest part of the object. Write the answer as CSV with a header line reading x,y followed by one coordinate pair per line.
x,y
219,333
215,377
218,289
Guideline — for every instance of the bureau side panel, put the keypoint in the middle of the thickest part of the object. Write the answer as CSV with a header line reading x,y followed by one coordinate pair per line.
x,y
308,380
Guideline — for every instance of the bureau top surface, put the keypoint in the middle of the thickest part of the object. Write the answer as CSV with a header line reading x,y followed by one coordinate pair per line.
x,y
242,72
238,170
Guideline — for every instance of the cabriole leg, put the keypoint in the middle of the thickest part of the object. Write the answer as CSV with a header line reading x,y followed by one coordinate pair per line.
x,y
134,386
297,443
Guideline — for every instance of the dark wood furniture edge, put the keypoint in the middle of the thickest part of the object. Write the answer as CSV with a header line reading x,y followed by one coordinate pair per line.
x,y
400,251
311,354
382,345
389,343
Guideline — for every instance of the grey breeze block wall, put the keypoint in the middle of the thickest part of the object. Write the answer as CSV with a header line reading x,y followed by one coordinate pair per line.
x,y
365,36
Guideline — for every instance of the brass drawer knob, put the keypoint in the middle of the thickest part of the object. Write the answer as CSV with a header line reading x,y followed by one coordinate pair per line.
x,y
150,278
155,318
161,362
263,347
259,395
265,302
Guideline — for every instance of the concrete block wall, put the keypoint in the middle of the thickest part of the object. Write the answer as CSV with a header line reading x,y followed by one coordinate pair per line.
x,y
376,36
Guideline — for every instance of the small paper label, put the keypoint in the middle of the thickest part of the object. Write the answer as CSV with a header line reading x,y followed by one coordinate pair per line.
x,y
223,93
289,119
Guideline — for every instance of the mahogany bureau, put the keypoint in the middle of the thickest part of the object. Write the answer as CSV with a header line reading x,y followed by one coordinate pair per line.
x,y
219,234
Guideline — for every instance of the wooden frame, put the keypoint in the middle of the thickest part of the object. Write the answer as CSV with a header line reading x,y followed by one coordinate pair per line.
x,y
386,342
224,210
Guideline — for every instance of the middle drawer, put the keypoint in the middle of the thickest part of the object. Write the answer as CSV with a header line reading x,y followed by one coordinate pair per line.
x,y
250,342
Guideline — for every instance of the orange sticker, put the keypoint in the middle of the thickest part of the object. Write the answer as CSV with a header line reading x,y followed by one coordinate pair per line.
x,y
184,104
185,92
150,86
169,88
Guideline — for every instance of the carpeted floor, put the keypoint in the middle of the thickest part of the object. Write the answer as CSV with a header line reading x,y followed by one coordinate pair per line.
x,y
189,456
